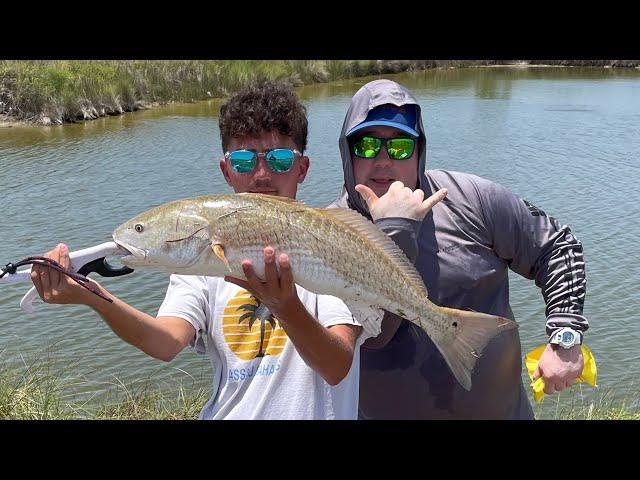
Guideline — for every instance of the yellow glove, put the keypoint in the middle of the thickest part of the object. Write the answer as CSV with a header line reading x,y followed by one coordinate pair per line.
x,y
589,372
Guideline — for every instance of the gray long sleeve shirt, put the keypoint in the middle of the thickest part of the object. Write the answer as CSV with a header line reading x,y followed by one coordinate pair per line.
x,y
463,250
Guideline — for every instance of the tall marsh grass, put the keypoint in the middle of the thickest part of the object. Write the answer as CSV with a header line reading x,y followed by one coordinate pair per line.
x,y
44,389
67,91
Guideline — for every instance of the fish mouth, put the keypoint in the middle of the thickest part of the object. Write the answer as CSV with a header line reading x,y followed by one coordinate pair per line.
x,y
130,255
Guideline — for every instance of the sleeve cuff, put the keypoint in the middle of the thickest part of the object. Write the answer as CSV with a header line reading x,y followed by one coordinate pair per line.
x,y
403,231
402,223
556,321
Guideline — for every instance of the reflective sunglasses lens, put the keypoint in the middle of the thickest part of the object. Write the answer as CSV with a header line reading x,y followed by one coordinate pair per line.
x,y
367,147
242,161
400,148
280,160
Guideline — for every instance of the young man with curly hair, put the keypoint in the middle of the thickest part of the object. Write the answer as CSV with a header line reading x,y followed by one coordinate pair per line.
x,y
277,351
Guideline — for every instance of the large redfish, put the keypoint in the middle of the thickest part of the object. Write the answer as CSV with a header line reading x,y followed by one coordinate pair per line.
x,y
332,251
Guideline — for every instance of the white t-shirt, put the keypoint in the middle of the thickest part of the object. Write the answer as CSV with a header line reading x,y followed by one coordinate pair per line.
x,y
258,373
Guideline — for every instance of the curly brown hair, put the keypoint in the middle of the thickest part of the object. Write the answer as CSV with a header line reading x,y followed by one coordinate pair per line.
x,y
262,106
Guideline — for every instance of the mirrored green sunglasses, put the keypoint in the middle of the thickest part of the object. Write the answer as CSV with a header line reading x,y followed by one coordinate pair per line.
x,y
279,160
398,148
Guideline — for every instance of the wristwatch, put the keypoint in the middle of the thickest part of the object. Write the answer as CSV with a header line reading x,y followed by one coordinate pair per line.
x,y
566,338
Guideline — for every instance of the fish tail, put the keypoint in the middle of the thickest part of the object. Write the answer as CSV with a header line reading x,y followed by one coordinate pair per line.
x,y
472,331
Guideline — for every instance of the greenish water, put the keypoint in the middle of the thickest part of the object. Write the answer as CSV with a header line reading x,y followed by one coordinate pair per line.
x,y
565,139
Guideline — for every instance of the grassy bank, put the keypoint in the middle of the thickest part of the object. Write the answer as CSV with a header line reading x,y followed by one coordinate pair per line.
x,y
46,92
43,389
55,92
40,390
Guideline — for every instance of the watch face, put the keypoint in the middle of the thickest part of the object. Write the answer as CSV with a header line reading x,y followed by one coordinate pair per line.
x,y
567,337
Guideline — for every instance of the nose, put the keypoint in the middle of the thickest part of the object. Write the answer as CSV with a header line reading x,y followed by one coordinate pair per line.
x,y
383,159
262,170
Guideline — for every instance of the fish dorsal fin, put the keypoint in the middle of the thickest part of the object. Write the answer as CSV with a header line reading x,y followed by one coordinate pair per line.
x,y
277,198
365,227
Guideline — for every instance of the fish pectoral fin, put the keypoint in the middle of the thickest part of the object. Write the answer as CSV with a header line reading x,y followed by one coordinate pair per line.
x,y
218,249
368,316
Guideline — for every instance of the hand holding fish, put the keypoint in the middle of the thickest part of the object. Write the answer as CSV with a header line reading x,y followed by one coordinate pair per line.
x,y
559,367
277,291
399,201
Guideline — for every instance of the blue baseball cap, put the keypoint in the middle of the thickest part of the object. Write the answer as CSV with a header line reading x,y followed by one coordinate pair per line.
x,y
403,118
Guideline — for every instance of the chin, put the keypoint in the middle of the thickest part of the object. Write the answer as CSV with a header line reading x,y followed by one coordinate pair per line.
x,y
378,189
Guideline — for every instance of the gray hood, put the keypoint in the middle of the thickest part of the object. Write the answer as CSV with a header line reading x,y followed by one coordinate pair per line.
x,y
370,96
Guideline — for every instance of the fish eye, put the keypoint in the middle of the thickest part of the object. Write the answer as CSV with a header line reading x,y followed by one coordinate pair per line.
x,y
139,227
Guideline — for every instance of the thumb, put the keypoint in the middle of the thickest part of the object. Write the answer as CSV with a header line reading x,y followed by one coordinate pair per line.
x,y
64,261
369,195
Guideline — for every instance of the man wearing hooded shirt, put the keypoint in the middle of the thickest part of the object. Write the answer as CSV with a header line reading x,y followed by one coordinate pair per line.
x,y
463,247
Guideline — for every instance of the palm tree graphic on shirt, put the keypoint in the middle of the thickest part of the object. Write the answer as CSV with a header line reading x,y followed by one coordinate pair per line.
x,y
256,312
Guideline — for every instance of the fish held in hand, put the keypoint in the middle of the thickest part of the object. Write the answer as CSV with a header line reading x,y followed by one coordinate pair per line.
x,y
332,251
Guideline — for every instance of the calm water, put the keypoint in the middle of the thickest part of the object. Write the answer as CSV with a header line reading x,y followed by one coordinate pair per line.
x,y
566,140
